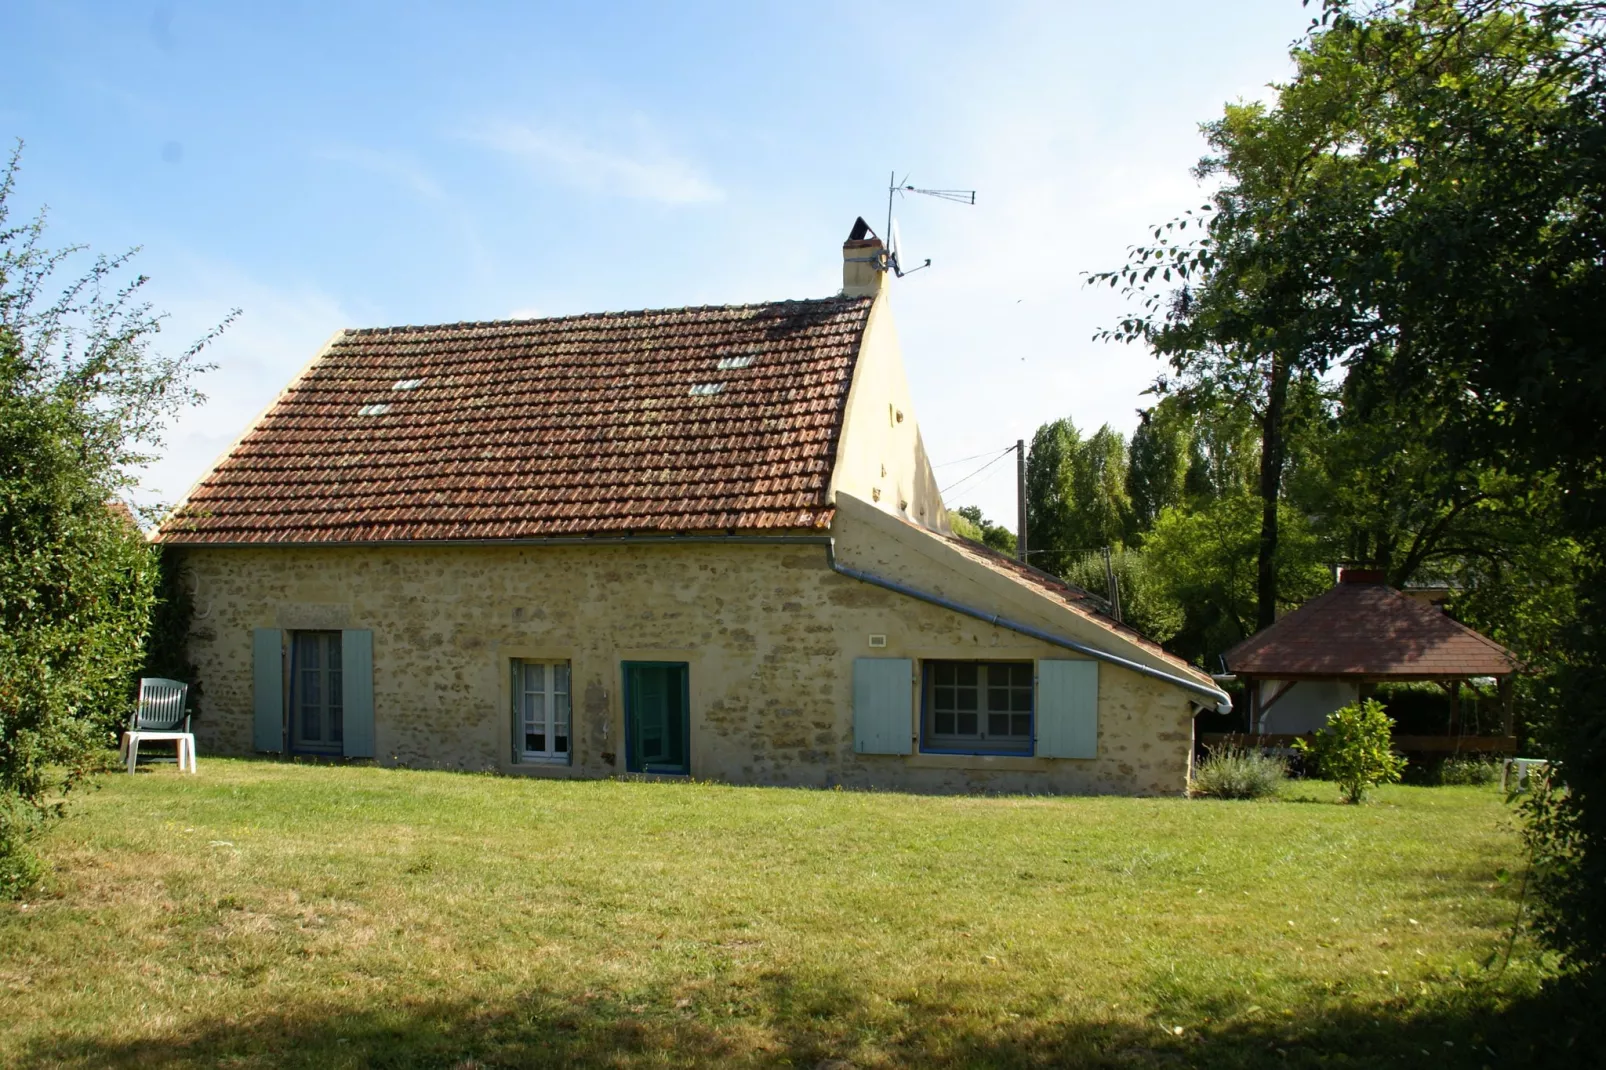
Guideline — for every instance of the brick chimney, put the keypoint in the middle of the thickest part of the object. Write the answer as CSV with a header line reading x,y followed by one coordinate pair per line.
x,y
863,269
1360,575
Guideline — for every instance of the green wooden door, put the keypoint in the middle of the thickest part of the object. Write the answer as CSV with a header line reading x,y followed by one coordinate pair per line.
x,y
657,709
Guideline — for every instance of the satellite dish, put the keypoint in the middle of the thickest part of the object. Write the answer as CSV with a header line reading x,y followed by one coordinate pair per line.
x,y
895,245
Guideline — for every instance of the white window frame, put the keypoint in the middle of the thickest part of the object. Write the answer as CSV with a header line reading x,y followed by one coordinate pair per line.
x,y
548,709
983,741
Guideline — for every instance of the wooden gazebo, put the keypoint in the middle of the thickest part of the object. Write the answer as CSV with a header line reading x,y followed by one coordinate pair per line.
x,y
1333,649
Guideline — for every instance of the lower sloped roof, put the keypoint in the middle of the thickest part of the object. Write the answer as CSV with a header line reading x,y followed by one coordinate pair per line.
x,y
1075,598
1369,629
674,420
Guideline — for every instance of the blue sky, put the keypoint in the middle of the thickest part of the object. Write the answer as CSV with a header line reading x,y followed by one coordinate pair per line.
x,y
323,166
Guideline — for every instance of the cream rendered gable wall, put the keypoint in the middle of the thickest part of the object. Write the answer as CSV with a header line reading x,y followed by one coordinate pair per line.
x,y
872,542
1145,725
880,457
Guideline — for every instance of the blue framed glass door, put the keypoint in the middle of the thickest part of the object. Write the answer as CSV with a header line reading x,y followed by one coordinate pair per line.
x,y
657,717
317,702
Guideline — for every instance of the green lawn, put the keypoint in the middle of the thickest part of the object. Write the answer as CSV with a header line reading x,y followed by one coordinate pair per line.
x,y
266,914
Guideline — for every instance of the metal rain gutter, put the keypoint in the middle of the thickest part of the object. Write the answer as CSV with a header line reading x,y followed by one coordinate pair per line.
x,y
1222,702
552,540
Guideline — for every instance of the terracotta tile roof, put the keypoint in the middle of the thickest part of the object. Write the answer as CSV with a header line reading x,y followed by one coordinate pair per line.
x,y
1079,600
1369,629
692,419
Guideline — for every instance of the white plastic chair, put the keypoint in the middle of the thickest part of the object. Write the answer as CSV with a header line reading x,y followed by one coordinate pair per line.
x,y
160,715
1524,767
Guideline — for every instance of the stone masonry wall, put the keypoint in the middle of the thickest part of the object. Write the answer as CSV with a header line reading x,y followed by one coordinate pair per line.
x,y
769,632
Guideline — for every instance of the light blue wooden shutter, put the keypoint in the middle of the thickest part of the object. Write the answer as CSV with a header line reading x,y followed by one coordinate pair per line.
x,y
357,687
267,689
881,705
1067,709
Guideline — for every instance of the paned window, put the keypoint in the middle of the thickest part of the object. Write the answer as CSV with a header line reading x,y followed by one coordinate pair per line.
x,y
977,707
317,690
541,711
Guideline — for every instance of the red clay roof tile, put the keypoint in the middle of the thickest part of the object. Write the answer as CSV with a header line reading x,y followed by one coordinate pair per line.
x,y
1368,629
676,420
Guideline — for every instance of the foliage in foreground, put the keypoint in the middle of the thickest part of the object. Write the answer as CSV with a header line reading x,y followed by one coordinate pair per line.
x,y
1235,773
1355,749
1146,603
1424,204
82,398
969,522
1473,772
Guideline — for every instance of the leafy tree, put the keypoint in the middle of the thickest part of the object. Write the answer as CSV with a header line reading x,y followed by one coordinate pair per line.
x,y
1192,447
1147,603
1204,561
1157,464
1051,536
1101,511
83,398
1076,494
1224,453
1355,749
1423,202
1242,332
1394,493
1527,600
968,521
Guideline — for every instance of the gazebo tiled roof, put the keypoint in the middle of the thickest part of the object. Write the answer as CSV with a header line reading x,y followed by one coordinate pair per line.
x,y
1363,628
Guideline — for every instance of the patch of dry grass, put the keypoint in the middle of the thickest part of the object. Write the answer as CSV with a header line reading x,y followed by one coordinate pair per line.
x,y
266,914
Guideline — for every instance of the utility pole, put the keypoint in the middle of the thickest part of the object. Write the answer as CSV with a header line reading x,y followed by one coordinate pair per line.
x,y
1112,588
1020,500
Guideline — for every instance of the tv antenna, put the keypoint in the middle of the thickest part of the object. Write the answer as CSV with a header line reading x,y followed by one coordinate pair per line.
x,y
900,189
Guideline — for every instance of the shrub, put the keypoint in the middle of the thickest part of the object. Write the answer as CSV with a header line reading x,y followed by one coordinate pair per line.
x,y
1473,771
1232,773
1354,749
20,869
83,399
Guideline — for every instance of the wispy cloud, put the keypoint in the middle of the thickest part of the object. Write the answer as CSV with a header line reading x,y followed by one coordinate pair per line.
x,y
646,173
400,169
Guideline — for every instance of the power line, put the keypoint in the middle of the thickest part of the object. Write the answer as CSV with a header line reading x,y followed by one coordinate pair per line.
x,y
977,472
962,460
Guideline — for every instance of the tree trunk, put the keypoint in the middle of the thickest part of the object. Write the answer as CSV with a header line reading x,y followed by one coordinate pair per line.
x,y
1271,482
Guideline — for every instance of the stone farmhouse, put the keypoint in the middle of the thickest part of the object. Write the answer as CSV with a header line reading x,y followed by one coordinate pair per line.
x,y
699,541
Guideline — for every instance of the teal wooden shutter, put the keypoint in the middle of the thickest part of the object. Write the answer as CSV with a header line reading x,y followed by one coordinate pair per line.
x,y
267,689
516,679
881,705
357,691
1067,709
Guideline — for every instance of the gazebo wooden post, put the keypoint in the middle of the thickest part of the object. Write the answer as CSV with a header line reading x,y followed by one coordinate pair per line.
x,y
1508,721
1455,707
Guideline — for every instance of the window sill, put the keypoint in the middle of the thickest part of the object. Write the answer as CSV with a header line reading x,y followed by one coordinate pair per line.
x,y
558,770
541,759
1012,763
